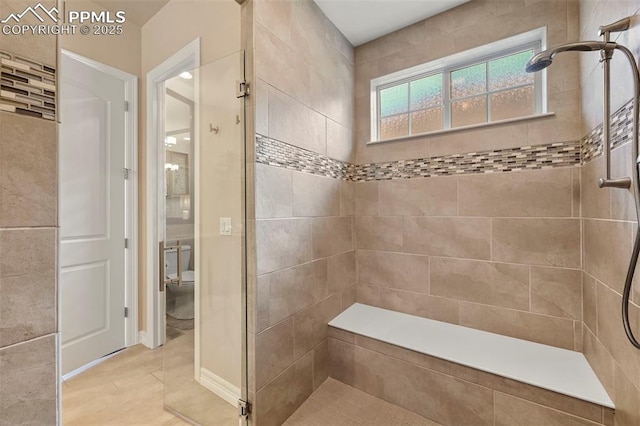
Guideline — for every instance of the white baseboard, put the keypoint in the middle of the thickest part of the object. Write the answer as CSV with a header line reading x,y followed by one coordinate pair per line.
x,y
219,386
142,339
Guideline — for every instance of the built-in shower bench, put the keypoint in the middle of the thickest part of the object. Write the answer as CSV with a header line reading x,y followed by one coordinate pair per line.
x,y
456,375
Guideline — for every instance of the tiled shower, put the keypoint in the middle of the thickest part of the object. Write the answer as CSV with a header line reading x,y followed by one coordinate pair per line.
x,y
501,228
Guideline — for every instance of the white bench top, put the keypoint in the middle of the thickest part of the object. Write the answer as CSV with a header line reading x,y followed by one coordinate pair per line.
x,y
559,370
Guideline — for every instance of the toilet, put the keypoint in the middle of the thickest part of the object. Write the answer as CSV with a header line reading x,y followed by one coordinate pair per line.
x,y
179,298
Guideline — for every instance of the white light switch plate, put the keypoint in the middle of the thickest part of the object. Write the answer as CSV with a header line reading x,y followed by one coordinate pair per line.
x,y
225,226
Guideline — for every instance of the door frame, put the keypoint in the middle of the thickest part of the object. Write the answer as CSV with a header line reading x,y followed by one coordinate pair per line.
x,y
186,58
131,190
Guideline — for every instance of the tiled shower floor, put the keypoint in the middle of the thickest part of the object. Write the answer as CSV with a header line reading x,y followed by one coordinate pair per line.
x,y
337,404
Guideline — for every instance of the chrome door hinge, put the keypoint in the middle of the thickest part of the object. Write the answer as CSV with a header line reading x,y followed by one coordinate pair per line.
x,y
126,173
242,89
126,106
126,243
126,312
244,409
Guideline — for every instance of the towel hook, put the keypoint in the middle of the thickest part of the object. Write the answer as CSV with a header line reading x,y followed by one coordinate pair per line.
x,y
213,129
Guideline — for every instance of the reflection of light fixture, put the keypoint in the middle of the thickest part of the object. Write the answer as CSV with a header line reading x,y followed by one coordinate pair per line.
x,y
187,138
172,167
185,206
186,75
170,140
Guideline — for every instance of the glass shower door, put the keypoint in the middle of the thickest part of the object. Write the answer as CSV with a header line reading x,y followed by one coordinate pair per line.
x,y
205,369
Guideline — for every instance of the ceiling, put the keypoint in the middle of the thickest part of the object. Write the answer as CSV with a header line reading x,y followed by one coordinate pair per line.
x,y
136,11
364,20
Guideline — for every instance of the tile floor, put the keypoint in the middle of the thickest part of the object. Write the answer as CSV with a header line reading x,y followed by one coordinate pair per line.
x,y
337,404
127,389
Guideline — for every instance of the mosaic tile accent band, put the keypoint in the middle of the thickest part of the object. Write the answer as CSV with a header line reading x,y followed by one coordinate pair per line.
x,y
27,87
621,132
561,154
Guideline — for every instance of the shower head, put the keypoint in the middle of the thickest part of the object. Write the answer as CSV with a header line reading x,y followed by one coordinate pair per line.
x,y
545,58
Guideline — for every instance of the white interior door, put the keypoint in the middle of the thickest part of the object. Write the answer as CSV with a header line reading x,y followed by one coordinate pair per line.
x,y
92,214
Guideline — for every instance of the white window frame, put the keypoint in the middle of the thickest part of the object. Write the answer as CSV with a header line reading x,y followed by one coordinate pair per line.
x,y
535,39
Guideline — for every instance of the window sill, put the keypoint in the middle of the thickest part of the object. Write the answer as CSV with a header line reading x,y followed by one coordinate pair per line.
x,y
470,127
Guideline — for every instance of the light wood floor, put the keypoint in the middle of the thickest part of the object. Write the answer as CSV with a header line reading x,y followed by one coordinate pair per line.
x,y
126,389
337,404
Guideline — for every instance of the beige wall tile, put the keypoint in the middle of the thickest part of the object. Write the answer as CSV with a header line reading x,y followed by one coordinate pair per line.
x,y
490,283
41,48
296,288
436,396
27,284
607,249
394,270
282,396
541,193
274,347
28,171
611,332
450,237
366,198
347,198
315,195
282,243
575,173
280,66
512,411
348,297
379,233
310,326
29,382
341,358
556,292
345,336
627,399
276,16
590,302
369,295
552,242
339,141
273,192
522,325
320,363
600,360
418,197
596,202
331,235
622,200
341,271
261,307
292,122
262,107
417,358
419,304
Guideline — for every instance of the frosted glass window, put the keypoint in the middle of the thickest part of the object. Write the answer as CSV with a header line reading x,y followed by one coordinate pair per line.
x,y
468,88
469,111
394,126
394,100
427,120
426,92
509,71
512,103
469,81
